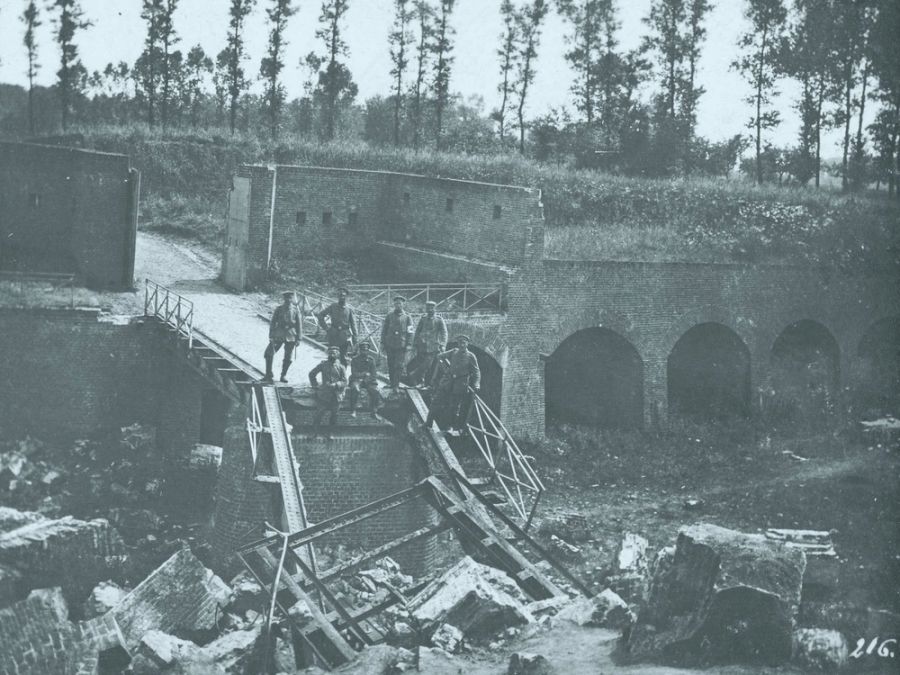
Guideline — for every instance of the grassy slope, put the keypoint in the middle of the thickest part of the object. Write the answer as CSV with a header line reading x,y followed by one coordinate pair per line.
x,y
589,215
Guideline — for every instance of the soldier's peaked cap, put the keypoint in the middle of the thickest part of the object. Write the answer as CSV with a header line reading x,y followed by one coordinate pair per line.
x,y
430,303
463,337
334,349
286,294
344,290
364,345
399,298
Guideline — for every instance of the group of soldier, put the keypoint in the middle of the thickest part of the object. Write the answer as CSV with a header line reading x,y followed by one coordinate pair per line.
x,y
451,376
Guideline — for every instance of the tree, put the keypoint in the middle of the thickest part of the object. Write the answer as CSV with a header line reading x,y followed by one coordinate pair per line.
x,y
167,38
758,65
694,37
220,84
884,54
443,61
508,54
69,21
666,39
424,16
529,20
148,64
587,19
237,83
197,67
399,40
31,19
336,84
273,63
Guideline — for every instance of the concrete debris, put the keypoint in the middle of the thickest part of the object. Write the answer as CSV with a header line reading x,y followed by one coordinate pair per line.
x,y
103,598
138,437
548,606
524,663
165,650
74,554
246,593
480,601
284,658
848,619
630,586
380,659
571,527
386,572
693,504
447,637
562,547
719,596
233,652
10,584
632,554
205,456
820,649
181,596
434,660
811,542
12,465
605,610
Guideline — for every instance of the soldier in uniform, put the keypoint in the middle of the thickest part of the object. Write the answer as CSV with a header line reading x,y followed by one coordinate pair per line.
x,y
363,375
461,378
429,341
284,329
331,392
341,326
395,334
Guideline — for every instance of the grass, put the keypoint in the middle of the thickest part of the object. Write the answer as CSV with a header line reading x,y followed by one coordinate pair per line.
x,y
588,214
37,295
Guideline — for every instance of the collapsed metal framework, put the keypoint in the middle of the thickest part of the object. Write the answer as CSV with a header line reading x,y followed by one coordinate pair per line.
x,y
336,631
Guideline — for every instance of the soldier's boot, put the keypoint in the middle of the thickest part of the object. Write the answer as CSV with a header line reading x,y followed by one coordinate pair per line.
x,y
353,397
284,369
269,377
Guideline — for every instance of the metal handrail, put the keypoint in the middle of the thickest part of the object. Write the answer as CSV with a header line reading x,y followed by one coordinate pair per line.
x,y
171,308
508,464
458,297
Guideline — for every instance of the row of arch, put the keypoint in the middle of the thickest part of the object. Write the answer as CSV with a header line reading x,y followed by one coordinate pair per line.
x,y
595,376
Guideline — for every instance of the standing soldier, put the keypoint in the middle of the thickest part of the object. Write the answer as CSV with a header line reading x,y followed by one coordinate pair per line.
x,y
284,329
429,341
363,375
454,392
395,334
331,393
341,327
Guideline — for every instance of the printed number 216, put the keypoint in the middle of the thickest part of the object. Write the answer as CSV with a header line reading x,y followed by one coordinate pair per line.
x,y
876,646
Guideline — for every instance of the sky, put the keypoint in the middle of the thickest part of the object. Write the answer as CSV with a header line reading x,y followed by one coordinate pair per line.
x,y
117,34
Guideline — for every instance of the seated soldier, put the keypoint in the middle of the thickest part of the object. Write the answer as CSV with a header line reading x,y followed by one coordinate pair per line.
x,y
363,375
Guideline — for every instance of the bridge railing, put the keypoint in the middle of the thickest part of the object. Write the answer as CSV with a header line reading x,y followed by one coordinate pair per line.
x,y
368,325
172,309
449,297
509,467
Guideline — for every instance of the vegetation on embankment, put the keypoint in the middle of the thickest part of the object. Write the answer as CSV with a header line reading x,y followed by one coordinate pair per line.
x,y
589,215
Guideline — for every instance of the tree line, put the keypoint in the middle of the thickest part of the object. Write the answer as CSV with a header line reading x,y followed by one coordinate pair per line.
x,y
635,111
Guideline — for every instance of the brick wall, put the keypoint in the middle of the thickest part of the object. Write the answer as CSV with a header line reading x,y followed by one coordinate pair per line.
x,y
652,305
477,223
67,210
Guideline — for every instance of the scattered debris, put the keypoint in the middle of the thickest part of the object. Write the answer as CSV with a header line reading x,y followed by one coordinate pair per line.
x,y
571,527
562,547
811,542
480,601
447,637
693,504
524,663
820,649
719,596
205,456
794,456
103,598
605,610
632,554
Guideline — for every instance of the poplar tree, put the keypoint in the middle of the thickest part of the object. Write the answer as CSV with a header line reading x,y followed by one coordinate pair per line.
x,y
198,66
67,24
273,63
167,39
586,18
760,45
424,17
442,48
399,39
530,20
508,55
31,19
236,83
335,81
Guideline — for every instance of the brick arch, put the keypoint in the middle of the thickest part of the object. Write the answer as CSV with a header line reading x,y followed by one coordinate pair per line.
x,y
486,338
746,330
618,323
778,321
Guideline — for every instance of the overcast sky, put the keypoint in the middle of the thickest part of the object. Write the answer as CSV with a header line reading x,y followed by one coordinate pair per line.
x,y
118,34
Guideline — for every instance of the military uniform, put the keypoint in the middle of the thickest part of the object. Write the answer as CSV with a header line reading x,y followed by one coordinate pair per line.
x,y
331,392
395,334
284,329
341,327
429,341
364,375
459,376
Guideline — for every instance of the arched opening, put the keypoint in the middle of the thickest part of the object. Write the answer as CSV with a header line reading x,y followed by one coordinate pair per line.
x,y
595,377
804,377
878,387
214,408
708,374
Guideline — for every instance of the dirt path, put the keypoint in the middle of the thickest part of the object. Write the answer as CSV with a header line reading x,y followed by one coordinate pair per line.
x,y
230,319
